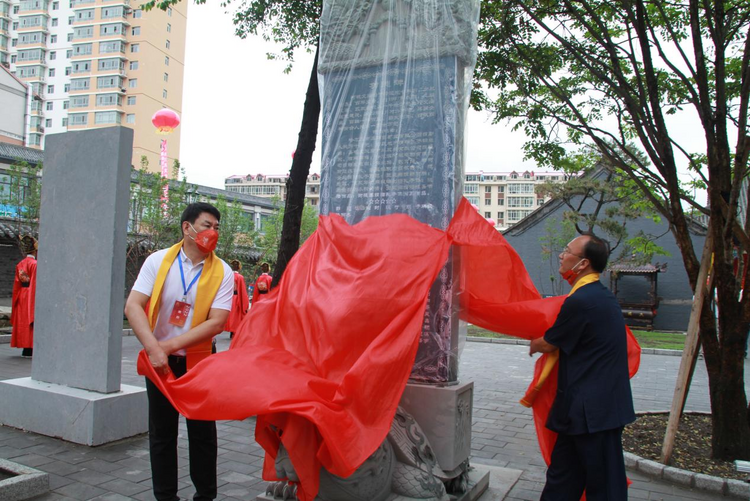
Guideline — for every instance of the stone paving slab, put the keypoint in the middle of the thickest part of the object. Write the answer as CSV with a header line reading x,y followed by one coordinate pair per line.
x,y
502,434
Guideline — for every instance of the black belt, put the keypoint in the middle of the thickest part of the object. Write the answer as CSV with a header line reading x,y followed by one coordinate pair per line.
x,y
177,358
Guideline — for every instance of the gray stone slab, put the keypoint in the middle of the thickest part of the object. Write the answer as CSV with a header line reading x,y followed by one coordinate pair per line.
x,y
24,482
75,415
4,338
81,270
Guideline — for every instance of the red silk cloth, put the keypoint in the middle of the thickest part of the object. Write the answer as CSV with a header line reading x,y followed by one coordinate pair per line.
x,y
22,307
326,355
240,304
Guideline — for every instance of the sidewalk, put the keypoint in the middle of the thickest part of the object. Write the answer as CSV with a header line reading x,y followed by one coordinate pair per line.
x,y
502,434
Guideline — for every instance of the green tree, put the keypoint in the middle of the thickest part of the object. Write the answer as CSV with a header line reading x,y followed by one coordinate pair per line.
x,y
556,236
608,73
236,229
22,200
273,230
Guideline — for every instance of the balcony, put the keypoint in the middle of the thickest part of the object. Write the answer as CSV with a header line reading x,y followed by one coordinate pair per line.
x,y
78,3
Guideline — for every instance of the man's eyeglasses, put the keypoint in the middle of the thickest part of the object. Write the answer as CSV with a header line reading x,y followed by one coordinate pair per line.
x,y
566,250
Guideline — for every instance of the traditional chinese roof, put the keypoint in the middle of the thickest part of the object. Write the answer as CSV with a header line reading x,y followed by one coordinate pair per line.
x,y
13,152
637,269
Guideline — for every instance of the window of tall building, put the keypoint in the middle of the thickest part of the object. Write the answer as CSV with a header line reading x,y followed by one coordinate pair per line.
x,y
66,105
108,82
65,122
50,89
131,100
166,60
69,53
136,30
71,19
83,49
48,123
111,29
110,47
79,101
52,56
49,105
137,13
79,118
135,47
54,22
70,37
164,93
500,215
169,28
52,72
80,84
55,5
68,70
487,215
500,201
133,65
107,117
15,9
166,77
15,25
13,42
167,44
53,39
112,12
66,88
35,139
130,118
13,59
169,11
108,100
488,189
133,83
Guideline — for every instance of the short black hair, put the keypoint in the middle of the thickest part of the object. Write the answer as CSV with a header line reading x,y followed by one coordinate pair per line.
x,y
265,267
194,210
596,250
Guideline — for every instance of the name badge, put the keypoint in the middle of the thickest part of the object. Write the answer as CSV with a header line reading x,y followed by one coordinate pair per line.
x,y
179,314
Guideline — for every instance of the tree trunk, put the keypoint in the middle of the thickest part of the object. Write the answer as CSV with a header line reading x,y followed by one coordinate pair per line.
x,y
297,181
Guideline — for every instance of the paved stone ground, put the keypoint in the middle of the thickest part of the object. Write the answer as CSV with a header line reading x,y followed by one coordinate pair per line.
x,y
503,433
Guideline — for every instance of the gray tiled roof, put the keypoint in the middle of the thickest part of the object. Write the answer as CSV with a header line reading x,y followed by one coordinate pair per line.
x,y
12,152
9,229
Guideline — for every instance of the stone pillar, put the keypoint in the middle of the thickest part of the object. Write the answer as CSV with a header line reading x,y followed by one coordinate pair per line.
x,y
74,391
395,79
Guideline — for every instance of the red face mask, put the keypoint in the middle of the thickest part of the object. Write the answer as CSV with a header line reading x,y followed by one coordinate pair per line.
x,y
570,275
206,240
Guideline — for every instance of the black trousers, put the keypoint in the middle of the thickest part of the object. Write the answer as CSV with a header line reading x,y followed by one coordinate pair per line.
x,y
593,462
163,421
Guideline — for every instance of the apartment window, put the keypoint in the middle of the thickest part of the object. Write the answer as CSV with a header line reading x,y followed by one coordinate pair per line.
x,y
83,49
135,47
13,59
49,105
108,100
15,25
110,64
133,65
13,42
15,9
50,89
107,117
70,37
167,44
169,11
65,122
166,60
81,66
66,105
80,84
66,88
110,47
52,56
68,70
501,189
71,19
130,118
500,201
136,30
137,13
131,100
133,83
488,199
51,72
487,215
166,77
48,123
169,28
55,5
54,22
53,39
69,53
500,216
79,118
164,93
488,189
111,29
108,82
79,101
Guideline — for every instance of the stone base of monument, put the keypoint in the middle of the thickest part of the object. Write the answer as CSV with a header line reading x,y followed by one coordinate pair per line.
x,y
21,482
444,413
79,416
486,483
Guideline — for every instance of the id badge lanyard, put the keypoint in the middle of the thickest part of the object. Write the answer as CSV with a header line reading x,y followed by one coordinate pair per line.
x,y
182,276
181,309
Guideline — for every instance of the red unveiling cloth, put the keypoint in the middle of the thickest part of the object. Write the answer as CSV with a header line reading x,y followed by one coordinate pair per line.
x,y
239,304
326,355
22,309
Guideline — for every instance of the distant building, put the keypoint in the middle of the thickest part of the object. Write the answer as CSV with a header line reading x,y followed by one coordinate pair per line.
x,y
506,197
97,63
17,100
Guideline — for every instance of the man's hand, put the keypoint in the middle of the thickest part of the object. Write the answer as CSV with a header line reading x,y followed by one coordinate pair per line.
x,y
158,358
539,345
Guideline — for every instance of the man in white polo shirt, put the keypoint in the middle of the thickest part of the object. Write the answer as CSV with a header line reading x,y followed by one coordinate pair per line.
x,y
179,302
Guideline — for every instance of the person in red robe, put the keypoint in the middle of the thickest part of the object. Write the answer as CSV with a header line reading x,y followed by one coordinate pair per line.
x,y
239,300
263,283
24,291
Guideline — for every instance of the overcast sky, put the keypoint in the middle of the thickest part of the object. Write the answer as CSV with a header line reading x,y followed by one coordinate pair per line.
x,y
241,114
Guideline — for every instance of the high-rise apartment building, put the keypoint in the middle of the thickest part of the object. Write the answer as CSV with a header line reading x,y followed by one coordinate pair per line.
x,y
97,63
505,197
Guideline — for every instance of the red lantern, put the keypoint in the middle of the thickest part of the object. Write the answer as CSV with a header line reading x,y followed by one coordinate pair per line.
x,y
165,121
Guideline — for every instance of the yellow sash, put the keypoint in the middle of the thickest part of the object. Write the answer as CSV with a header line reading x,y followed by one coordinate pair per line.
x,y
552,357
208,286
